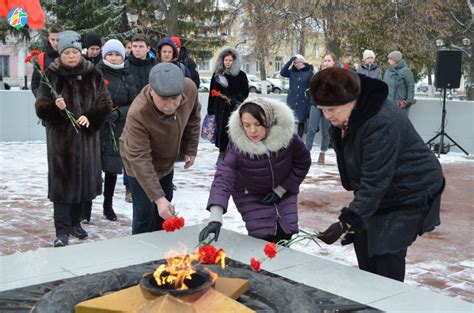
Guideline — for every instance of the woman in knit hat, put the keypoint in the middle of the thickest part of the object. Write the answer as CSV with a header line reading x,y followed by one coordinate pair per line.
x,y
397,181
299,72
369,67
400,81
121,86
262,170
74,175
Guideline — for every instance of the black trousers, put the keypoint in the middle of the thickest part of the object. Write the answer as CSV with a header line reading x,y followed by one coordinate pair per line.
x,y
67,215
280,235
390,265
145,213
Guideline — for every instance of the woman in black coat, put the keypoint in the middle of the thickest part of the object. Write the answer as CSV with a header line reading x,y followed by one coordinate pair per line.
x,y
233,86
121,86
397,181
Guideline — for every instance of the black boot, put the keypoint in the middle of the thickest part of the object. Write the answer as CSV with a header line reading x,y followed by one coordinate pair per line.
x,y
301,129
78,232
86,212
109,187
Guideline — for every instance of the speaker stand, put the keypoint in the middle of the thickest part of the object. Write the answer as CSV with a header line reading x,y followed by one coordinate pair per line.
x,y
442,133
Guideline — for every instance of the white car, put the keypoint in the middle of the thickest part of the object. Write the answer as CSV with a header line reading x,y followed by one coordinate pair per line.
x,y
205,85
255,84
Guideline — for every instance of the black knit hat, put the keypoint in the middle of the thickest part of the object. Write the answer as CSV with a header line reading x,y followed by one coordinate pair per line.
x,y
334,86
93,40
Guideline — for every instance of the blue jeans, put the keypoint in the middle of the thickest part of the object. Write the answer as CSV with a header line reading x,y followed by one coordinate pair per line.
x,y
315,116
145,213
125,179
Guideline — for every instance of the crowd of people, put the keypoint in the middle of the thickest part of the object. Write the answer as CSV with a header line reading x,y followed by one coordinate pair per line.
x,y
132,109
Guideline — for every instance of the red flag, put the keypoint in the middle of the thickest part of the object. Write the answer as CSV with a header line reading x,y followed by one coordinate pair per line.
x,y
33,8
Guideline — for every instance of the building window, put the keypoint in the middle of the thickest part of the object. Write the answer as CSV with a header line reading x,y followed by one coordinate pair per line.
x,y
257,66
278,63
5,65
247,67
204,64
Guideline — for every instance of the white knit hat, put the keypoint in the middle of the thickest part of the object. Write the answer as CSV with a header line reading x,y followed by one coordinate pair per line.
x,y
299,57
368,53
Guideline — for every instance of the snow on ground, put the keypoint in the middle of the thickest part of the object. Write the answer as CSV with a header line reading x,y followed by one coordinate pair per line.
x,y
23,185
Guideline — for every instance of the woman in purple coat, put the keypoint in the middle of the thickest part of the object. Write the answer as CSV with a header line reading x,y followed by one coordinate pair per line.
x,y
262,169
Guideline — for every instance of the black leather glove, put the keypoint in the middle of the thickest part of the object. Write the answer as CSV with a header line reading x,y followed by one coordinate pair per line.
x,y
113,116
348,238
333,233
293,58
271,198
211,228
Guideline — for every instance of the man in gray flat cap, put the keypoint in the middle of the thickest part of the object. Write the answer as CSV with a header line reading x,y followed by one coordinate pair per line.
x,y
163,117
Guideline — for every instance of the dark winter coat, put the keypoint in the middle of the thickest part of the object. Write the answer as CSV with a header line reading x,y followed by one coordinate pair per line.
x,y
49,57
74,173
396,179
94,60
401,84
298,98
237,91
140,69
167,41
123,91
250,170
190,64
372,70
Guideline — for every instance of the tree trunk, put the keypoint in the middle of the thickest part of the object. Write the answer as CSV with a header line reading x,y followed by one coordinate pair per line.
x,y
172,21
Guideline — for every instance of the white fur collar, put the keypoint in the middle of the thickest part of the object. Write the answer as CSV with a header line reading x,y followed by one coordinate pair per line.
x,y
219,67
279,135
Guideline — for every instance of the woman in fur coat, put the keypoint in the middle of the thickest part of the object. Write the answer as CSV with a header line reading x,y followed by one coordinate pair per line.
x,y
74,168
233,86
262,170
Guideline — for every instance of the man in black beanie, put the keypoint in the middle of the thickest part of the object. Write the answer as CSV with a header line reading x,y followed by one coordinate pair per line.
x,y
93,45
397,181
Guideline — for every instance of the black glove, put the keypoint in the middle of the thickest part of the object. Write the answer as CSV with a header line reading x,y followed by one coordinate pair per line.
x,y
292,58
333,233
271,198
113,116
211,228
348,237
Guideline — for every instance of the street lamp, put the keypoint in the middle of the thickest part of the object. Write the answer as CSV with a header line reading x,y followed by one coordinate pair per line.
x,y
132,18
159,15
447,44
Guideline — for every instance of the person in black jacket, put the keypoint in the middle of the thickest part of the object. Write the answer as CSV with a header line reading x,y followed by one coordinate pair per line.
x,y
184,58
232,84
166,51
94,46
122,90
397,181
46,58
139,63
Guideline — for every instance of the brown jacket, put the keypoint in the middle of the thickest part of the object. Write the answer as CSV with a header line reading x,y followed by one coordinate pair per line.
x,y
151,140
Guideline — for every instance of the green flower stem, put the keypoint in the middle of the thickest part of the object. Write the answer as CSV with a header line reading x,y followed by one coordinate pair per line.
x,y
46,81
112,136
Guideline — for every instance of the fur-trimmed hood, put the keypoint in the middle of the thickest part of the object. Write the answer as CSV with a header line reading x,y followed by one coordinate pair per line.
x,y
219,67
278,137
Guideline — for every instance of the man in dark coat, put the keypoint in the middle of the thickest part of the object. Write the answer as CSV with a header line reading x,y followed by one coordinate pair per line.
x,y
184,58
93,46
46,58
397,181
139,63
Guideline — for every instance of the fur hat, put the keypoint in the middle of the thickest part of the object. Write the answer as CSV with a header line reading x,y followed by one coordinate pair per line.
x,y
113,45
395,55
166,79
368,53
334,86
299,57
176,41
93,40
69,39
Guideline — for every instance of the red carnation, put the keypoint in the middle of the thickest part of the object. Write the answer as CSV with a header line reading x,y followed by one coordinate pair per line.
x,y
215,93
28,58
173,224
255,264
34,52
270,250
207,254
106,82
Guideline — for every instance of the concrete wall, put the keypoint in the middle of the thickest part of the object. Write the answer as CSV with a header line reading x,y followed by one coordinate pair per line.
x,y
18,121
